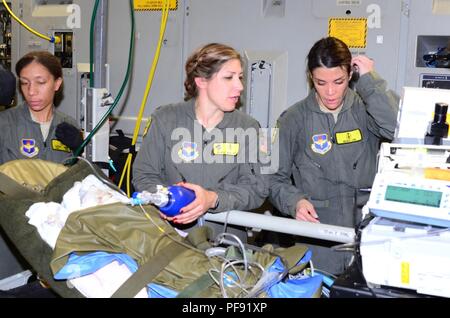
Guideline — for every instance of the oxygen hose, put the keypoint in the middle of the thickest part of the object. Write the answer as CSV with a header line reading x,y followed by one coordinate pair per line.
x,y
127,166
51,39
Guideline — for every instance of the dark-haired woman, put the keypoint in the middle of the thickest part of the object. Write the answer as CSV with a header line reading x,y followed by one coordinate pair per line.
x,y
329,142
29,130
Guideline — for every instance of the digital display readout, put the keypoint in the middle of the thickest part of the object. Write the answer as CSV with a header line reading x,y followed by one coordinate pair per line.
x,y
413,196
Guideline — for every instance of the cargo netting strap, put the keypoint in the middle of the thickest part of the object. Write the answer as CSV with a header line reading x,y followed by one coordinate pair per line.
x,y
148,272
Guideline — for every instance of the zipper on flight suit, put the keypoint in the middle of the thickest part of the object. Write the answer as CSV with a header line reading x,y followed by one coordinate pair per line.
x,y
181,175
330,128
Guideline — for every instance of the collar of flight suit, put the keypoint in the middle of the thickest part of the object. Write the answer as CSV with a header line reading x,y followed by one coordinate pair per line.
x,y
224,123
25,111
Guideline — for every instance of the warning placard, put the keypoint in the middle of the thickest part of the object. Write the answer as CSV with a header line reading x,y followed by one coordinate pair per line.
x,y
352,31
153,5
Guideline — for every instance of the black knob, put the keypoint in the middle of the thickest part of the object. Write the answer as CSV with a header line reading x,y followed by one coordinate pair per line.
x,y
440,113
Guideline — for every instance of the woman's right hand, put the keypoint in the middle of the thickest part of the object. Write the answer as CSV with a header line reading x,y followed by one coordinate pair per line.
x,y
363,63
204,200
305,211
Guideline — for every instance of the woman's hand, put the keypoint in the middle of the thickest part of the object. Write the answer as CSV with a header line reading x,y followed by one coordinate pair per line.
x,y
305,211
363,63
204,200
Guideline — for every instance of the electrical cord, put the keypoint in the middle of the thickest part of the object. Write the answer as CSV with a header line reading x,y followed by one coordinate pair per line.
x,y
51,39
357,253
225,224
150,219
243,286
263,282
220,239
128,162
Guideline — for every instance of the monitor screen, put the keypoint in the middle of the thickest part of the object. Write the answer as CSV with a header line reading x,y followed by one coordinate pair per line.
x,y
413,196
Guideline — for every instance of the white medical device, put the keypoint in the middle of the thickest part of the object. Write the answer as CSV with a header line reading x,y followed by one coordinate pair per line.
x,y
407,244
401,191
416,112
397,195
406,255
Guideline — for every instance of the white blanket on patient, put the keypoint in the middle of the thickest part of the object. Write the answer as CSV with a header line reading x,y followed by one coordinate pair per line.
x,y
50,217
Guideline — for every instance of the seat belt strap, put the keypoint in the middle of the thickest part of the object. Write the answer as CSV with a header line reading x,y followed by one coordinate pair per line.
x,y
148,272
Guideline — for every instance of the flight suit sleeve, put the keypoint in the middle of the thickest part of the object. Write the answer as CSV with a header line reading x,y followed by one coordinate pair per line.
x,y
283,194
381,104
149,163
250,189
249,192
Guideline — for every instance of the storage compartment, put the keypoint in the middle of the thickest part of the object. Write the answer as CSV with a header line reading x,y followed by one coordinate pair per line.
x,y
433,51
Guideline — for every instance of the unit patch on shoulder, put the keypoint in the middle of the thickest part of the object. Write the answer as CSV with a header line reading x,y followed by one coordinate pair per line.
x,y
147,127
226,149
28,148
59,146
321,144
349,137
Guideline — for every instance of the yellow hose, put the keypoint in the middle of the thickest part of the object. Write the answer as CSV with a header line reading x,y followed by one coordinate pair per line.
x,y
127,166
52,39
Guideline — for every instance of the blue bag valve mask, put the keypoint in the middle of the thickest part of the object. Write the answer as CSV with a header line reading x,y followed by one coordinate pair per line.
x,y
169,200
179,197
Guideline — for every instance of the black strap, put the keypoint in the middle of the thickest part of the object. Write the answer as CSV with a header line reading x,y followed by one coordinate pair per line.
x,y
147,272
120,133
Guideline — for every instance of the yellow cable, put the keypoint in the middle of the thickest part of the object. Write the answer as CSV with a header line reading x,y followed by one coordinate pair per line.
x,y
127,168
165,14
53,39
129,178
150,218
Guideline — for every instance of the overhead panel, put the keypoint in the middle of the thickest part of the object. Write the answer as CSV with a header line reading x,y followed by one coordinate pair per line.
x,y
154,5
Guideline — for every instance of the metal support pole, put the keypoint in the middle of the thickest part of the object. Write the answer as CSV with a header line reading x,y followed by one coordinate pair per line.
x,y
100,45
98,149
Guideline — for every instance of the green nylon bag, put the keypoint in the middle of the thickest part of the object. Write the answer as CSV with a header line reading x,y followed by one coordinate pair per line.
x,y
28,189
119,228
116,228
